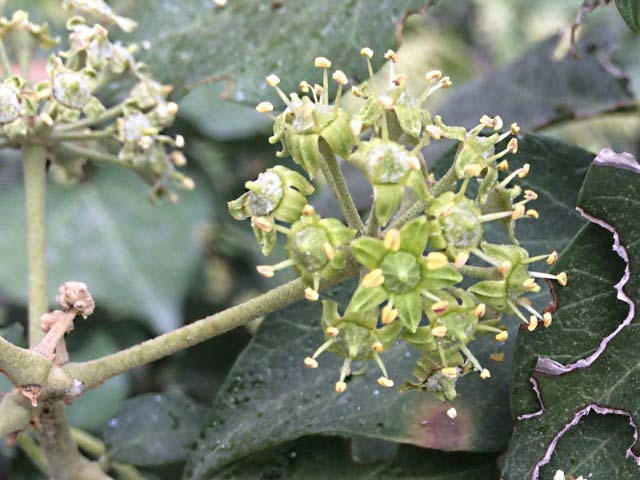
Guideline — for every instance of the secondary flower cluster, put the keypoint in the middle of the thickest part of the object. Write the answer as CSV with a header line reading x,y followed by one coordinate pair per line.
x,y
64,112
428,276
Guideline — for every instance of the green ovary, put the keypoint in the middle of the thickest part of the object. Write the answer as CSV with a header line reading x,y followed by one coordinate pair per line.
x,y
401,272
462,228
306,248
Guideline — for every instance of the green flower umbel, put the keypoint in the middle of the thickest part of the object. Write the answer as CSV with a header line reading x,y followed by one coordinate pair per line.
x,y
277,194
354,336
315,248
310,124
399,274
389,167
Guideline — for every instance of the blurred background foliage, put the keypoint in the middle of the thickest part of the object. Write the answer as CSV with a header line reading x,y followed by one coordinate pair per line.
x,y
153,268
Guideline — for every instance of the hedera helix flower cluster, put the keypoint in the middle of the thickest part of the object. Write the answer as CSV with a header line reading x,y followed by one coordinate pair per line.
x,y
64,114
414,271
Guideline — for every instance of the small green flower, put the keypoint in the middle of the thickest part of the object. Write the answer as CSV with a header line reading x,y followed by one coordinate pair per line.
x,y
309,124
390,168
101,10
354,336
315,248
10,102
277,194
398,273
12,32
429,372
478,152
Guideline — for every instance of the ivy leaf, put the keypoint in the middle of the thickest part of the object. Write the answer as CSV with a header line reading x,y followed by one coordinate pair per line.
x,y
325,458
153,429
630,12
269,376
245,41
136,258
585,366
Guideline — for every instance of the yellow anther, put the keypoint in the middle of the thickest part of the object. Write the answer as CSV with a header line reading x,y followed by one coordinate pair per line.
x,y
180,141
373,279
391,55
473,169
439,331
272,80
332,331
322,62
515,129
487,121
452,413
552,258
385,382
433,131
530,195
356,126
433,75
502,336
220,3
484,374
505,267
340,387
389,314
497,357
188,183
562,278
377,347
503,166
512,146
480,310
340,77
328,251
263,224
310,362
529,283
440,307
318,89
531,213
305,87
445,82
356,91
172,108
461,259
436,260
311,294
524,171
366,52
264,107
497,122
266,270
178,159
392,240
547,319
533,323
518,212
308,210
450,372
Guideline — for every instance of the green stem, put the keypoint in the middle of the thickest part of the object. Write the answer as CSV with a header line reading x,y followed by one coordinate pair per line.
x,y
94,372
91,154
4,60
33,451
484,273
446,183
35,182
80,136
108,114
338,184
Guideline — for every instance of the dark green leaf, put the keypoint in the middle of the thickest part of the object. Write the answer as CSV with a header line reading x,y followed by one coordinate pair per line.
x,y
326,459
153,429
630,12
247,40
586,365
136,258
269,377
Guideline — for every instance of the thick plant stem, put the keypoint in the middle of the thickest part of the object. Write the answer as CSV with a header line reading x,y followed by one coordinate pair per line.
x,y
63,456
94,372
338,184
35,184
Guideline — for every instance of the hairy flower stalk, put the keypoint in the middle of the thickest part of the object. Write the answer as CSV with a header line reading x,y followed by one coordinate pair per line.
x,y
412,270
